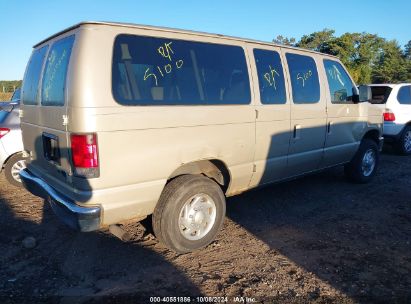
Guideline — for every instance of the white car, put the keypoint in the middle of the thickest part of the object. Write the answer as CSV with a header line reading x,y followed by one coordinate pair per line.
x,y
11,144
396,101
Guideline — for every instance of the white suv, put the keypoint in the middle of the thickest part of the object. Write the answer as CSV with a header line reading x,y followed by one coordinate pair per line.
x,y
396,101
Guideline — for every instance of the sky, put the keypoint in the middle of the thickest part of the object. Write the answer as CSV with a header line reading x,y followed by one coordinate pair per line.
x,y
23,23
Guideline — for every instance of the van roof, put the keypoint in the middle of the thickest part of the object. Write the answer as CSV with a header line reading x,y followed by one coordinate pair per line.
x,y
174,30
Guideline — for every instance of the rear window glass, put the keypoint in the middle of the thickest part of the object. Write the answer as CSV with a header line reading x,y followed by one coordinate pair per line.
x,y
380,94
54,78
157,71
404,95
304,78
32,76
270,77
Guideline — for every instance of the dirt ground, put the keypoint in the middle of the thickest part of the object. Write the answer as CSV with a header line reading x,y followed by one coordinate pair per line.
x,y
317,239
5,96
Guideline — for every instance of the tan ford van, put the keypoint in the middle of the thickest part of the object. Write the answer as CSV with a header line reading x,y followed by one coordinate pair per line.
x,y
123,121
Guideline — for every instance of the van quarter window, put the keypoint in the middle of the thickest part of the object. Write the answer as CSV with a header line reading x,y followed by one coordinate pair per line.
x,y
340,84
158,71
54,78
270,77
304,78
32,77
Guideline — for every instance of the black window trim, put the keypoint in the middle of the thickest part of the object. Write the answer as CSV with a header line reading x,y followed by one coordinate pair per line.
x,y
147,104
290,80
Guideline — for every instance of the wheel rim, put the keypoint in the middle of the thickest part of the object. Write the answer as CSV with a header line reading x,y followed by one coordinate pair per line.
x,y
407,141
16,168
197,217
368,162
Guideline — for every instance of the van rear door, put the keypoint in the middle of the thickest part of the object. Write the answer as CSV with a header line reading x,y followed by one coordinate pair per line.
x,y
44,110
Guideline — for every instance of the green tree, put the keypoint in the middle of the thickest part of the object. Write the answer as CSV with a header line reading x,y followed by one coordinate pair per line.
x,y
407,50
284,40
358,51
9,85
316,40
391,65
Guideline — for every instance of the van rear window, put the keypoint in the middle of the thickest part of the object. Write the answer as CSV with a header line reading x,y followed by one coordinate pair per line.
x,y
158,71
32,76
54,78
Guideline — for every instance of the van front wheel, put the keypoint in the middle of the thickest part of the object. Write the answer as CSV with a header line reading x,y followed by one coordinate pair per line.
x,y
189,213
363,166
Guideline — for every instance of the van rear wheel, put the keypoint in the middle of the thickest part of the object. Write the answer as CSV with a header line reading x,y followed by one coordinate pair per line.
x,y
12,168
363,166
189,213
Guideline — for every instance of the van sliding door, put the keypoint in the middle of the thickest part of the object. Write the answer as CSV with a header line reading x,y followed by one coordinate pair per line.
x,y
273,116
308,113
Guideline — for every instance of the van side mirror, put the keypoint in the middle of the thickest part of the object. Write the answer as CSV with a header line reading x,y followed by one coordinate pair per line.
x,y
364,94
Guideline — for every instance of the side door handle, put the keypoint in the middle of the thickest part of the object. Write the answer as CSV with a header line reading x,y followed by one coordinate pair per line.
x,y
297,131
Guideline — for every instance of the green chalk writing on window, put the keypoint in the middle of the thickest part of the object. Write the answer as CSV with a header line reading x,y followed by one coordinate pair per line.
x,y
166,52
147,76
304,77
270,77
335,74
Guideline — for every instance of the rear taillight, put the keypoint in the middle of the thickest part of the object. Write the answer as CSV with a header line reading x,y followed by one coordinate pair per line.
x,y
84,152
4,131
389,116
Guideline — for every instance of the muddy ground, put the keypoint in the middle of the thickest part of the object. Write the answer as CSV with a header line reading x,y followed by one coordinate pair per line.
x,y
317,239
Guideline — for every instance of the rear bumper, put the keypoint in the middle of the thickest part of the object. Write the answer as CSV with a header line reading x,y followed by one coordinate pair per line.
x,y
393,130
77,217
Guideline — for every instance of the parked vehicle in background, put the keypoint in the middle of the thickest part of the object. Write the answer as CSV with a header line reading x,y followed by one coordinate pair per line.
x,y
124,121
395,100
11,143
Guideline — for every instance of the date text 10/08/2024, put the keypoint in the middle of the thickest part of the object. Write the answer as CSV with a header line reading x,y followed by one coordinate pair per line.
x,y
202,300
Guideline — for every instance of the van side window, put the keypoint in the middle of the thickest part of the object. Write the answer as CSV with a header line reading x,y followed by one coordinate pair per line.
x,y
340,84
54,77
270,77
159,71
304,78
404,95
32,76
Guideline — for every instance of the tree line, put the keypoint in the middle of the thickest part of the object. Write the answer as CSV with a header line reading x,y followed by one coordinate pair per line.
x,y
7,86
368,57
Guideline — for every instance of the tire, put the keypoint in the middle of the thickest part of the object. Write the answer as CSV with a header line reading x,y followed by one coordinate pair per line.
x,y
13,165
364,164
403,145
177,222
